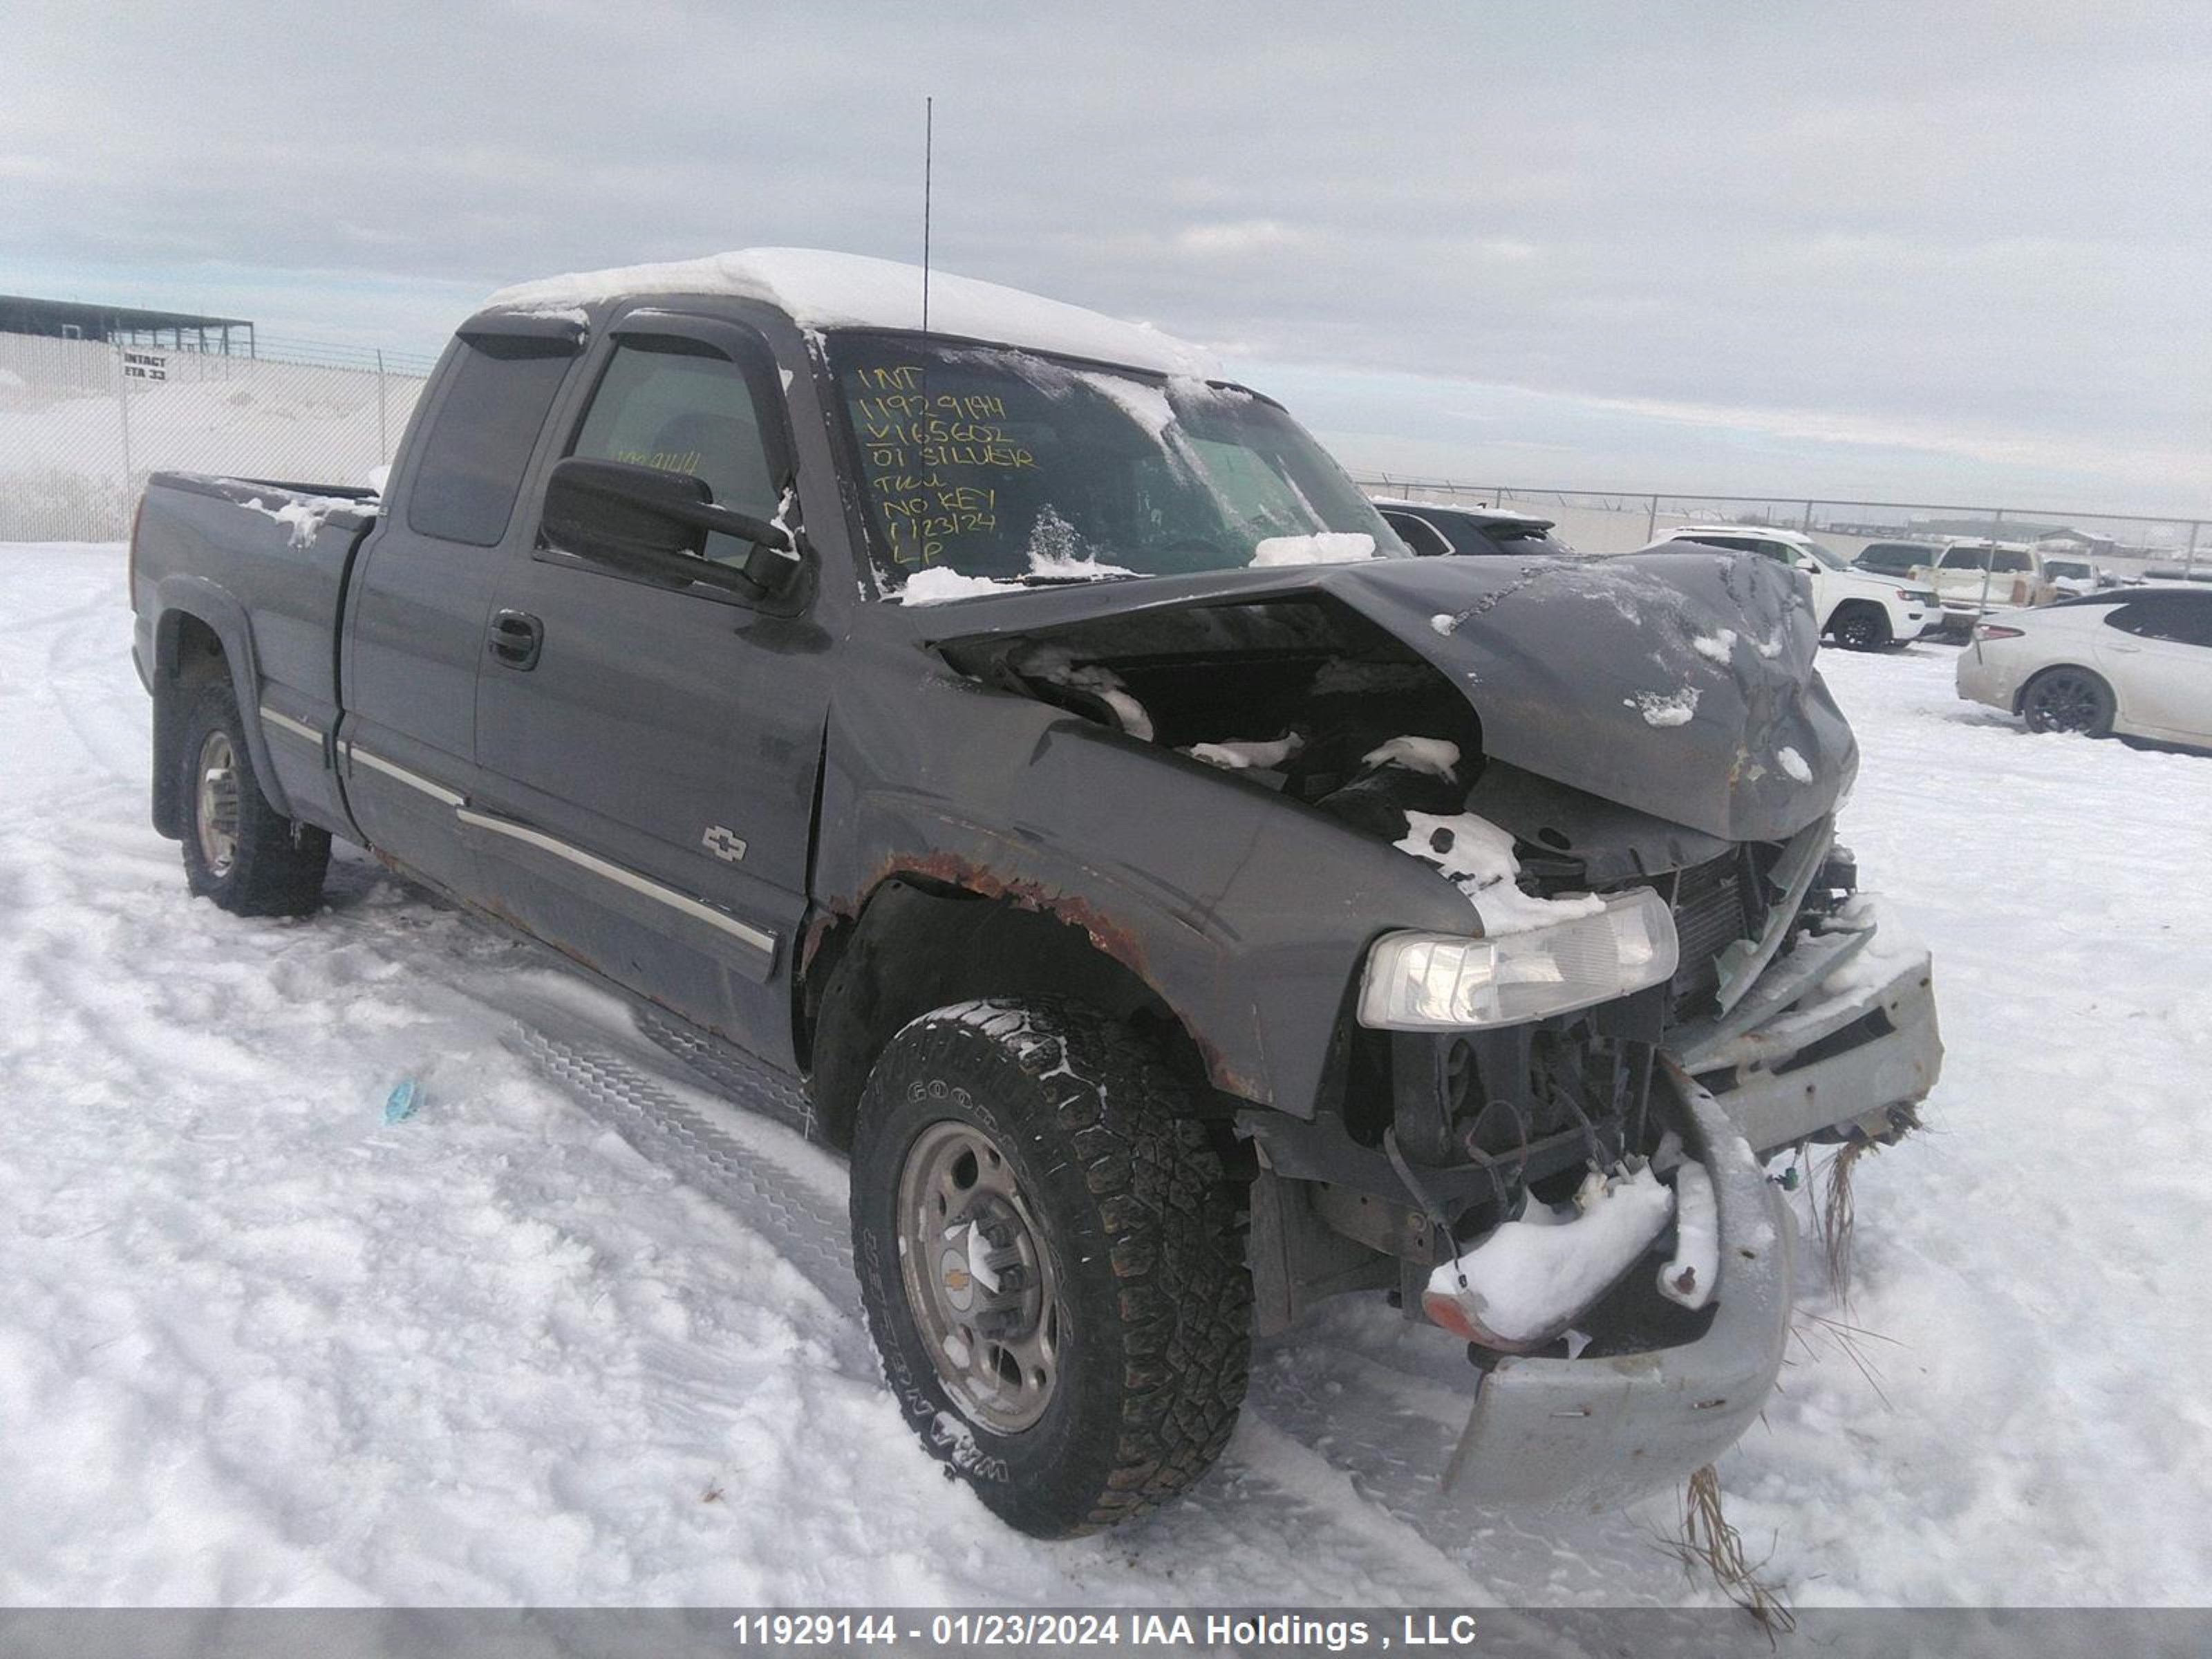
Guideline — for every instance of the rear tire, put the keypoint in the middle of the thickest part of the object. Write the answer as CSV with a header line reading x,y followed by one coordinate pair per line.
x,y
2069,699
1052,1260
1861,627
239,850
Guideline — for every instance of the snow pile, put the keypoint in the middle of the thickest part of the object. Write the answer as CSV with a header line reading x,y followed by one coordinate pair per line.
x,y
1665,708
1716,646
303,516
822,290
1234,757
1794,764
1322,547
1525,1281
1689,1278
1056,665
1435,756
940,584
1479,857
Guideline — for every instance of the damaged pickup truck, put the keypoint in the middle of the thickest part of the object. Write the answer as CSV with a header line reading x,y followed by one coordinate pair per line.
x,y
1027,755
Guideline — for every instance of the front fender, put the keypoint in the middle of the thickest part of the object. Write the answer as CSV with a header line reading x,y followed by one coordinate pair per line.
x,y
1248,914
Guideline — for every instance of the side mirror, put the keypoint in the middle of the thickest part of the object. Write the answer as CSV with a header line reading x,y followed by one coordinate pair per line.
x,y
656,523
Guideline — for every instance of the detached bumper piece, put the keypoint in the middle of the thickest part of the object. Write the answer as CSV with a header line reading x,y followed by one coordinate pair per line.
x,y
1584,1433
1837,1039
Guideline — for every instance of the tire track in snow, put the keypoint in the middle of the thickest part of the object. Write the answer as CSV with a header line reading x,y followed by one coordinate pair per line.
x,y
1379,1443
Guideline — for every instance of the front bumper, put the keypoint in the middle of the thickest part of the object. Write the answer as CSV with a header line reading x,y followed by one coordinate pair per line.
x,y
1586,1432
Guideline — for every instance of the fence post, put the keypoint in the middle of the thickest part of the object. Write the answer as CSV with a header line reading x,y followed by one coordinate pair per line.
x,y
2188,559
1807,525
1651,521
123,407
383,443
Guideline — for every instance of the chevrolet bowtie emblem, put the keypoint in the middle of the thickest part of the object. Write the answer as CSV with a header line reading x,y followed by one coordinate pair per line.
x,y
722,844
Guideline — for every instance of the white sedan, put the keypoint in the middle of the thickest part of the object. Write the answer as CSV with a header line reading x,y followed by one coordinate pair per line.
x,y
2137,661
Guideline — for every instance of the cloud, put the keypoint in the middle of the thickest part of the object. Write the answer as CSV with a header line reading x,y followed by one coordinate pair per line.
x,y
1946,223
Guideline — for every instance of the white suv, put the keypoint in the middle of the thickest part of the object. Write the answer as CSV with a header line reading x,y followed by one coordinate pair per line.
x,y
1864,612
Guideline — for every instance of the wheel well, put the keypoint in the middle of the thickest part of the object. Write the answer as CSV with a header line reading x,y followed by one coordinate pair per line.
x,y
2020,697
188,654
918,945
1853,607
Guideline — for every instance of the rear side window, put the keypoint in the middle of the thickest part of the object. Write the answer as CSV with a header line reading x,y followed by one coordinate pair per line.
x,y
2183,618
1417,533
480,440
1893,555
2008,562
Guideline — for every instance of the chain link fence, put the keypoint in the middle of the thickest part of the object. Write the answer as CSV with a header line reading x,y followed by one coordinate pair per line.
x,y
1616,521
83,423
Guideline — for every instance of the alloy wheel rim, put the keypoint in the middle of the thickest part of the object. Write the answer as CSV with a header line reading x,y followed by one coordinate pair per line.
x,y
979,1280
215,816
2066,703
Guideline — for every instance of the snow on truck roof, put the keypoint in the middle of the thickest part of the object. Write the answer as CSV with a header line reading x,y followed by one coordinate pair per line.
x,y
824,290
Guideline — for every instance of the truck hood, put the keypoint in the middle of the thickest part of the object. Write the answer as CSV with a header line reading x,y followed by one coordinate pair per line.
x,y
1679,684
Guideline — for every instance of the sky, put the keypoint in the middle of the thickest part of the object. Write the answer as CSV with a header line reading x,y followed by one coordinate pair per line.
x,y
1953,253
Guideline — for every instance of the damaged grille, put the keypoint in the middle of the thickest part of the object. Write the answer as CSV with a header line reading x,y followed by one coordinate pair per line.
x,y
1716,904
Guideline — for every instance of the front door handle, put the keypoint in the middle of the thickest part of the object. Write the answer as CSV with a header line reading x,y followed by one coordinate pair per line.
x,y
517,637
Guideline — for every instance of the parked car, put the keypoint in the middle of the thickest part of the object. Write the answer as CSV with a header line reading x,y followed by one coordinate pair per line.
x,y
1979,578
1897,559
1864,612
2135,662
2072,577
1431,531
1035,758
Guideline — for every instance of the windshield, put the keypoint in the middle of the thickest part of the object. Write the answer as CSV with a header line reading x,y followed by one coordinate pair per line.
x,y
1002,466
1826,553
2070,567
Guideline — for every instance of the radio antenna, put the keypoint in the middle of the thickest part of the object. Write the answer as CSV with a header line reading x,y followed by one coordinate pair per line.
x,y
928,157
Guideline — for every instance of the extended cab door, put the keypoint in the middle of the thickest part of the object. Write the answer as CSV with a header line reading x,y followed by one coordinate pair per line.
x,y
650,745
421,593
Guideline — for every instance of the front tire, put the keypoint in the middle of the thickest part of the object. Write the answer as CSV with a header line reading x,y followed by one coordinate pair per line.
x,y
2069,699
1052,1260
1861,627
239,850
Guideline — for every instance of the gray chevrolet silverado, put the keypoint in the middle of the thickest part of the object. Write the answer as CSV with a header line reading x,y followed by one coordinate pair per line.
x,y
1029,752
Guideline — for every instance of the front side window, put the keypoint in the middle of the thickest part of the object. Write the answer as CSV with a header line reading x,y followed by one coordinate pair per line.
x,y
1005,464
679,406
2008,562
1967,558
480,440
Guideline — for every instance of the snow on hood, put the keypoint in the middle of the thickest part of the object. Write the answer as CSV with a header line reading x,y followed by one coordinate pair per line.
x,y
1562,658
824,290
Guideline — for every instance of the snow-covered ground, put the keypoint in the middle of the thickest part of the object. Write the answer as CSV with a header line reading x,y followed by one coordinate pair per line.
x,y
257,1345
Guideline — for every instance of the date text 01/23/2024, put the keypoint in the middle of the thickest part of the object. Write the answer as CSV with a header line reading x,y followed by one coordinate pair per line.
x,y
1105,1631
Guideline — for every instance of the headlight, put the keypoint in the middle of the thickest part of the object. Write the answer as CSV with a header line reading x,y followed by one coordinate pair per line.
x,y
1441,982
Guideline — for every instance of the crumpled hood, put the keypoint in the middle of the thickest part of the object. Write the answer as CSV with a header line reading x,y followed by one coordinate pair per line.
x,y
1679,684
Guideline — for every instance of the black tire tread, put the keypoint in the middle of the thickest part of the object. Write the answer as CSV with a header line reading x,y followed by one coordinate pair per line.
x,y
1174,1223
